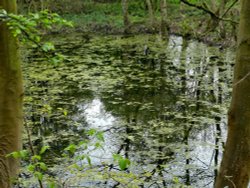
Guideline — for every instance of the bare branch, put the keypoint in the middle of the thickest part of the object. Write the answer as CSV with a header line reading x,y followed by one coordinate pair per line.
x,y
212,14
200,7
231,6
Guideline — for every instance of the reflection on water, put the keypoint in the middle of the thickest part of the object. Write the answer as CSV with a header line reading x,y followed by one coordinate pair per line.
x,y
98,118
201,147
165,110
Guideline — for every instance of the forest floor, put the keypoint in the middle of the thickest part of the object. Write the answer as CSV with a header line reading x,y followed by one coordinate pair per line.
x,y
106,18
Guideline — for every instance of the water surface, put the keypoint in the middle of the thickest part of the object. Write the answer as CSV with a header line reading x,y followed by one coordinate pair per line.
x,y
160,104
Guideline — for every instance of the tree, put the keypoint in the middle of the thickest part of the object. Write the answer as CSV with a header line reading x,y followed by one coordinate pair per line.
x,y
150,13
235,166
126,21
164,24
11,94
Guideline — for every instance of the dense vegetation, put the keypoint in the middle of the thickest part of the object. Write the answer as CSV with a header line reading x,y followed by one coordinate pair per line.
x,y
211,21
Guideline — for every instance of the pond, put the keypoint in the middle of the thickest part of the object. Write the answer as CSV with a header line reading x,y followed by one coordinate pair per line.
x,y
160,104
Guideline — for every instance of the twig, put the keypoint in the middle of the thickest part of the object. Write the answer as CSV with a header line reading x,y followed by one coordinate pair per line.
x,y
231,6
32,148
228,178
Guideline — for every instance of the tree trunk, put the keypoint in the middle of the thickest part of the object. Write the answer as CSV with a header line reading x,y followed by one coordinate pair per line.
x,y
125,16
150,13
11,92
164,23
235,166
221,11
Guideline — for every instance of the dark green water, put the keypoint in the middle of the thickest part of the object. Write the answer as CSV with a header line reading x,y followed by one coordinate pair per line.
x,y
160,104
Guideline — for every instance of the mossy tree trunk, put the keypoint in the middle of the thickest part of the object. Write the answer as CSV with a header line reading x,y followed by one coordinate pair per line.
x,y
235,166
11,92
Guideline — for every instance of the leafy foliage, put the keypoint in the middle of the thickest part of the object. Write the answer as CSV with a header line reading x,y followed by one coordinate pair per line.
x,y
30,29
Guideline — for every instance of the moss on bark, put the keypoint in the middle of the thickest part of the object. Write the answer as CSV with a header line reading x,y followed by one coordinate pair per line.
x,y
11,94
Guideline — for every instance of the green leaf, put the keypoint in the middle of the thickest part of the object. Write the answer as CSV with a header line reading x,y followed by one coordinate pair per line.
x,y
31,167
38,175
44,149
176,180
123,163
100,136
80,157
116,157
43,166
98,145
48,46
89,160
71,148
65,112
13,154
91,132
24,154
36,157
52,184
18,154
17,32
36,16
132,138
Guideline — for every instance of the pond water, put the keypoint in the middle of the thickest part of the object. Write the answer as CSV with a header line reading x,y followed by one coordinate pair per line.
x,y
160,104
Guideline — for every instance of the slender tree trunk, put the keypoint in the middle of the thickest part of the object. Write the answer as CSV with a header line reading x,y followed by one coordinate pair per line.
x,y
221,23
235,166
164,23
126,21
150,13
11,92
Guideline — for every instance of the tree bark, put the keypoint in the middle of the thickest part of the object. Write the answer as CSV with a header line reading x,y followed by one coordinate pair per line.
x,y
11,92
235,166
